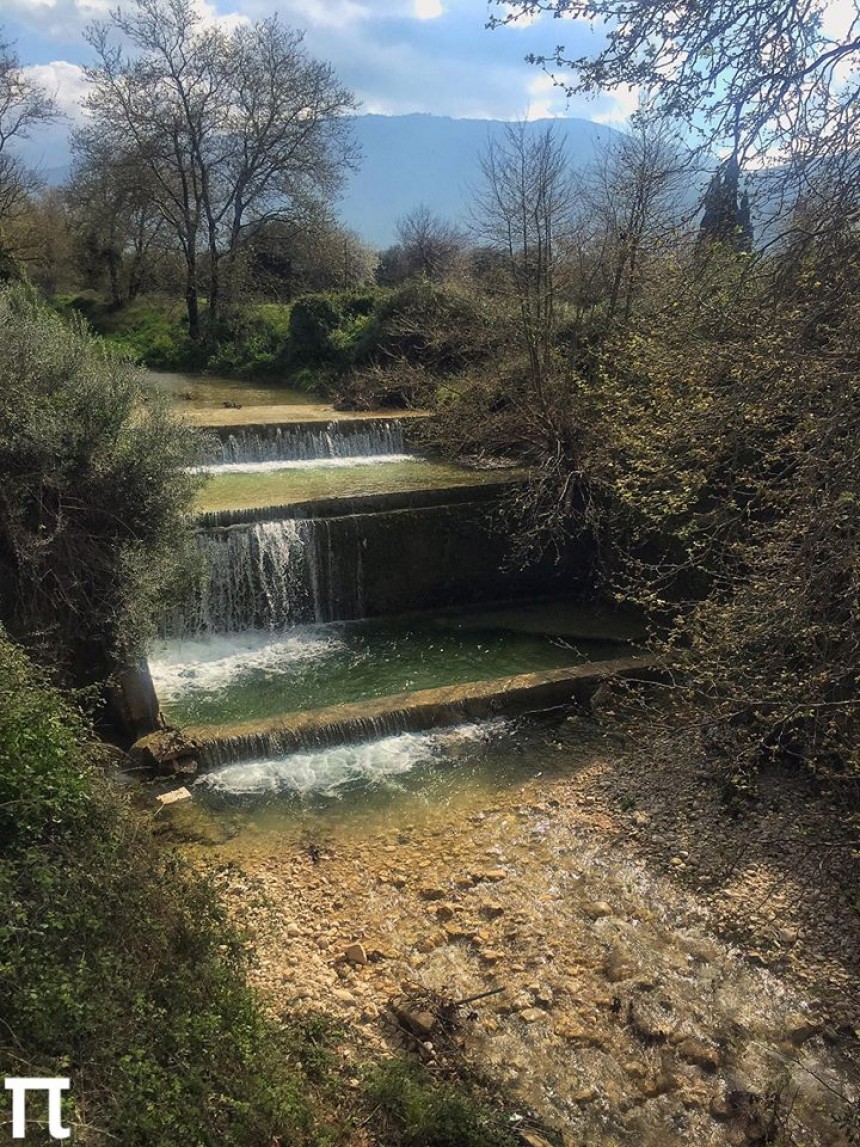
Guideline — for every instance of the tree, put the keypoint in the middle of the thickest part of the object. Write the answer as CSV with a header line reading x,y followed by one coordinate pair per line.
x,y
768,80
427,245
112,211
236,129
24,105
523,210
94,496
632,195
724,219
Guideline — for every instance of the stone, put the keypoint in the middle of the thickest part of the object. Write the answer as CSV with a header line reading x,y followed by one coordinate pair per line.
x,y
420,1023
166,753
431,893
292,931
640,819
356,954
173,796
492,910
532,1015
445,912
720,1108
586,1095
598,909
697,1052
343,996
802,1028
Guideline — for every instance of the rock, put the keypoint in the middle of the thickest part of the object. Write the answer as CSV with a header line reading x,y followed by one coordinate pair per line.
x,y
697,1052
586,1095
532,1015
640,819
343,996
720,1108
457,932
420,1023
293,931
598,909
166,753
356,954
445,912
492,910
493,875
173,796
531,1139
802,1028
489,956
430,893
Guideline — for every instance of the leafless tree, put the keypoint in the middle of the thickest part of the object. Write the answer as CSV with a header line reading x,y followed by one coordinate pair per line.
x,y
775,82
24,105
238,129
430,245
523,210
634,197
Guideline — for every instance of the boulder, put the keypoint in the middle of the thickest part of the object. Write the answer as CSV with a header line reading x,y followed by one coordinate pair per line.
x,y
166,753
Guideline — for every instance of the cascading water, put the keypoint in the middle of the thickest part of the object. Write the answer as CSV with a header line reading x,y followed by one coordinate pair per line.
x,y
355,441
272,575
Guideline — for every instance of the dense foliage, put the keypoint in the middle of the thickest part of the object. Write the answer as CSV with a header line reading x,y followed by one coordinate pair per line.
x,y
118,968
94,489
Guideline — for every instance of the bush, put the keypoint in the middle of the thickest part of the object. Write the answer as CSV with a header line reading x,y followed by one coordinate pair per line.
x,y
117,966
93,468
416,1110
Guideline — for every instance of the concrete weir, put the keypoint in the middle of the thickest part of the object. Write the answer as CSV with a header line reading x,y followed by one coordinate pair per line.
x,y
411,712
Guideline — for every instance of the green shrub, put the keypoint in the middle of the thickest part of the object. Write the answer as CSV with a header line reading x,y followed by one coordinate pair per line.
x,y
416,1110
93,530
117,966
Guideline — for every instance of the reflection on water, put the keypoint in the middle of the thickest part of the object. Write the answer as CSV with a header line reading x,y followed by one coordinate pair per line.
x,y
204,391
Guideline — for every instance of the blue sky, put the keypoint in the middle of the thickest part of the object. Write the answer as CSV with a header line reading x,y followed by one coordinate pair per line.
x,y
397,56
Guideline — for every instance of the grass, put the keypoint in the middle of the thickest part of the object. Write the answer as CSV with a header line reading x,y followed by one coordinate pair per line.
x,y
284,487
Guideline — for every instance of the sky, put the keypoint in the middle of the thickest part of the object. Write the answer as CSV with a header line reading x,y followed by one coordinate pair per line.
x,y
397,56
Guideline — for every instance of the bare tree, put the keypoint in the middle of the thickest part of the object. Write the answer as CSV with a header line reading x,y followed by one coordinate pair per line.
x,y
237,129
524,211
430,245
24,105
774,81
634,197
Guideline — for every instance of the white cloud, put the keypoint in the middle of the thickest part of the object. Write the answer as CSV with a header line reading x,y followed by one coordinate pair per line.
x,y
623,102
64,81
428,9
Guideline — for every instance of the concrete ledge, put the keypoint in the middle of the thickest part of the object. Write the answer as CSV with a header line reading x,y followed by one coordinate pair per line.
x,y
358,504
411,712
345,424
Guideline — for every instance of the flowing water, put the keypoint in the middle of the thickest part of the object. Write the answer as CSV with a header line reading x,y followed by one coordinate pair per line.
x,y
258,674
359,441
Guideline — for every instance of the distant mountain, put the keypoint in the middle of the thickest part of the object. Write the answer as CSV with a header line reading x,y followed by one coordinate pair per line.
x,y
413,159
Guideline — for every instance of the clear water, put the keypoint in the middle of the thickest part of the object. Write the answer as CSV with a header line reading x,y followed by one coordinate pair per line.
x,y
257,674
280,486
204,391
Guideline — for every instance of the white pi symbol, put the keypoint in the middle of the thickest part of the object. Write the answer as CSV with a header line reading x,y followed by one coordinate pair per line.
x,y
54,1087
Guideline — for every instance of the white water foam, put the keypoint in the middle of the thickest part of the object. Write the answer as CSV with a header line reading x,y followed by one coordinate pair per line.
x,y
303,464
329,772
182,667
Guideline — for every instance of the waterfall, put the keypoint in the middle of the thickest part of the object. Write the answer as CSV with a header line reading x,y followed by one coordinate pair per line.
x,y
308,441
270,575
